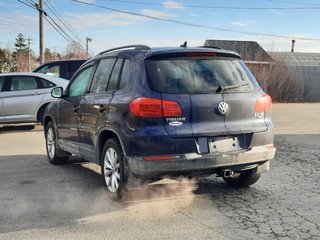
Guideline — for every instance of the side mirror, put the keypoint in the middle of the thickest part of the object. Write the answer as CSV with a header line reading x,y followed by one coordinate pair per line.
x,y
57,92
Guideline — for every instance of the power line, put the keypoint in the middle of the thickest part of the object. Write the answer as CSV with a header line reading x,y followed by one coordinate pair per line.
x,y
62,20
58,31
54,24
31,2
194,25
59,11
27,4
67,36
179,5
58,14
291,2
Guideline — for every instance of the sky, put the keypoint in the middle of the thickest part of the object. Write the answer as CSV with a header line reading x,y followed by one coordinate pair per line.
x,y
111,23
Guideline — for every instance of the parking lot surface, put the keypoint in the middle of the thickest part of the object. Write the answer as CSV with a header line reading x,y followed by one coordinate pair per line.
x,y
42,201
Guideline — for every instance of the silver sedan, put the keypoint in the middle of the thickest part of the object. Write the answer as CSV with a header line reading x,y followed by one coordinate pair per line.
x,y
25,96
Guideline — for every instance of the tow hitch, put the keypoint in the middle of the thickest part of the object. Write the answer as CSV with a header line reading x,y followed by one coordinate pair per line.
x,y
228,173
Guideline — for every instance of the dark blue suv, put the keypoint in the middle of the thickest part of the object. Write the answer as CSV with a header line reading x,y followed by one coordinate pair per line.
x,y
146,113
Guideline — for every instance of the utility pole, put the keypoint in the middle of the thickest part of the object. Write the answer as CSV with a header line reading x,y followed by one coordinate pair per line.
x,y
41,39
87,46
292,45
29,53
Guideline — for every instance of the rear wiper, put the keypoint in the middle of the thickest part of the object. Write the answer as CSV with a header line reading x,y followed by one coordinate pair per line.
x,y
221,88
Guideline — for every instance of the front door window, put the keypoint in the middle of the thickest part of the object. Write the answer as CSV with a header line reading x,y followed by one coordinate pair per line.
x,y
79,84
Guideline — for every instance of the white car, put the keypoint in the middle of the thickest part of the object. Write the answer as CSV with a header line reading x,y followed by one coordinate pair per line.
x,y
25,96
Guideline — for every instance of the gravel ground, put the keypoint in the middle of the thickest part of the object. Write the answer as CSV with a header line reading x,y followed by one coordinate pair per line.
x,y
42,201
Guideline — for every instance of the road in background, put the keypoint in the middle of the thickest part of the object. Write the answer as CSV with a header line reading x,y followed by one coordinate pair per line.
x,y
298,118
42,201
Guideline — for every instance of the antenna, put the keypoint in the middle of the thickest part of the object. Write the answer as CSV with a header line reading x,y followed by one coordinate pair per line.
x,y
184,45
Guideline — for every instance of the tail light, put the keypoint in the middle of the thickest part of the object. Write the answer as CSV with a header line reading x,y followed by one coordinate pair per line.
x,y
263,103
150,107
158,158
201,54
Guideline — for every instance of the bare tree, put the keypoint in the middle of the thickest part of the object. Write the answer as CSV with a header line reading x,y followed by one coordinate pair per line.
x,y
5,63
279,81
75,51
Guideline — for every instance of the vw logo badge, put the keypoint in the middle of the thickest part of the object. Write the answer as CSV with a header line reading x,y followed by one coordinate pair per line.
x,y
223,107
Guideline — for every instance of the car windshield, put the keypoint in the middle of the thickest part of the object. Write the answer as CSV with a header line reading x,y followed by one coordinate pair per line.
x,y
200,75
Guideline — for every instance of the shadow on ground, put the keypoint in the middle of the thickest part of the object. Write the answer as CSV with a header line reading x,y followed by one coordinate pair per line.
x,y
283,204
20,128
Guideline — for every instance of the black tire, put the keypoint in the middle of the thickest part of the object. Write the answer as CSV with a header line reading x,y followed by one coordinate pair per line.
x,y
243,179
112,167
53,151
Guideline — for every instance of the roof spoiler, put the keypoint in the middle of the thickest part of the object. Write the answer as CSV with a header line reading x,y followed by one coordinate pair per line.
x,y
210,47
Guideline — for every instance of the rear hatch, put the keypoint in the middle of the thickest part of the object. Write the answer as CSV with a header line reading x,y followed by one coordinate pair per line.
x,y
215,91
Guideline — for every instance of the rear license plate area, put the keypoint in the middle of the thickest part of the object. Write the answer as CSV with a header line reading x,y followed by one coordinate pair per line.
x,y
223,145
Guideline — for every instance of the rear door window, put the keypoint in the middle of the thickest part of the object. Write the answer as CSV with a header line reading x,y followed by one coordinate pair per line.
x,y
196,75
125,74
45,83
102,75
114,79
19,83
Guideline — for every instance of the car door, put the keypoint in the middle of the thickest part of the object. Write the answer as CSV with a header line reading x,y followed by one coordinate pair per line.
x,y
68,110
94,106
21,98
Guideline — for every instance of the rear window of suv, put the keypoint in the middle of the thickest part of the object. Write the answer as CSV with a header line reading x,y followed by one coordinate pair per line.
x,y
194,75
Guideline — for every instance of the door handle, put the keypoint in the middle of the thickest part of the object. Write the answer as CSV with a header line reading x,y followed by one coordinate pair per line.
x,y
102,108
76,109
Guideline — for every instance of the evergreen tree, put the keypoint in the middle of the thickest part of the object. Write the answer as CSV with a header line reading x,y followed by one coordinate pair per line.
x,y
20,55
20,43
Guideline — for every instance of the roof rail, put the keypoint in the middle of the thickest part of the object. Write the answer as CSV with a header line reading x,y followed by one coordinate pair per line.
x,y
136,47
211,47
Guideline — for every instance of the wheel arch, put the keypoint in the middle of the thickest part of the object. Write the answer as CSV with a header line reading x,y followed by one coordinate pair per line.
x,y
40,112
106,134
46,120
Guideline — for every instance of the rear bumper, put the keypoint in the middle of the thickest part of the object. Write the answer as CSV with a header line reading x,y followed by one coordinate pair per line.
x,y
197,163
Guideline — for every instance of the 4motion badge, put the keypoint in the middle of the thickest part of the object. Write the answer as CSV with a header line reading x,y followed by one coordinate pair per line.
x,y
175,122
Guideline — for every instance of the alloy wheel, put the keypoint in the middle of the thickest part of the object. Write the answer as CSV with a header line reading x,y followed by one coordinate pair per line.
x,y
51,143
112,170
